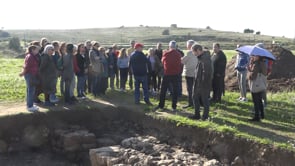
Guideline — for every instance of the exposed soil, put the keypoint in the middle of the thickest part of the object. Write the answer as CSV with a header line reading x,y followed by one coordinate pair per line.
x,y
118,120
282,77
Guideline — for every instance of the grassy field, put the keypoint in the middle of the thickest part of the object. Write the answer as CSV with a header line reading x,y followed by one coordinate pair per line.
x,y
278,128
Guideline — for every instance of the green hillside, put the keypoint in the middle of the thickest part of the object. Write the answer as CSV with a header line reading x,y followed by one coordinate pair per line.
x,y
150,36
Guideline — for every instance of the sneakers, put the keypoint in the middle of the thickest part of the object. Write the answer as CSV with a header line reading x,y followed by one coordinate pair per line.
x,y
244,99
53,98
33,109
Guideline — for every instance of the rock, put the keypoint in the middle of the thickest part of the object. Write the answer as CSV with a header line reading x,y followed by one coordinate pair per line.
x,y
3,147
212,162
105,142
237,162
35,136
133,159
105,156
74,141
220,149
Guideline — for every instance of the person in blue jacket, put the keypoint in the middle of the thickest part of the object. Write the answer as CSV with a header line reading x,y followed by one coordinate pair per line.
x,y
242,61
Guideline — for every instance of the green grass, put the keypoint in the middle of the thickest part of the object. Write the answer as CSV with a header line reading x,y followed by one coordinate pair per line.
x,y
231,116
12,86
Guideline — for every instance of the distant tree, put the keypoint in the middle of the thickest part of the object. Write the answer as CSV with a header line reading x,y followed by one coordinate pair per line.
x,y
14,44
248,30
258,33
4,34
209,28
166,32
173,26
141,25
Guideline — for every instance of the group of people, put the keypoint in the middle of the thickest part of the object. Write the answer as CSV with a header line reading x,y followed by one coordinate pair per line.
x,y
98,68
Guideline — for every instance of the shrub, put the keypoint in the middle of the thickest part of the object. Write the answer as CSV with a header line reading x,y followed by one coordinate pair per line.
x,y
166,32
14,44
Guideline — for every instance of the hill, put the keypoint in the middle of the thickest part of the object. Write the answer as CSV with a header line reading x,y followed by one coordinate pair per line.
x,y
150,36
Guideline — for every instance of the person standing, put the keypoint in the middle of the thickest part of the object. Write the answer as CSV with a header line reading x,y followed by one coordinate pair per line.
x,y
159,54
202,82
242,61
130,50
48,74
81,74
68,72
140,67
96,68
257,65
219,64
189,65
123,65
155,67
30,72
172,68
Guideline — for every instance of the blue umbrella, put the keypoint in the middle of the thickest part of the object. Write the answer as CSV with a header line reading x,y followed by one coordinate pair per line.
x,y
256,51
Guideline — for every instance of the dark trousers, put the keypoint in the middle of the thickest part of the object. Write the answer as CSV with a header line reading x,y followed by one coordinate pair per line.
x,y
258,106
90,82
189,88
123,77
130,79
217,87
159,82
152,80
201,99
169,79
67,90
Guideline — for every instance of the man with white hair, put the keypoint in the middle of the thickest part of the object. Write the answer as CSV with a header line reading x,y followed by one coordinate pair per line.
x,y
172,68
189,62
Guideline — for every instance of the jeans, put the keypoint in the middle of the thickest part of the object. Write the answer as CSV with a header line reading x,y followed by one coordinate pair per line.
x,y
81,85
242,83
30,90
152,81
141,80
167,80
189,88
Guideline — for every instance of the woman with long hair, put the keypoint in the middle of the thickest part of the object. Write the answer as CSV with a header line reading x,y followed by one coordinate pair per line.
x,y
256,67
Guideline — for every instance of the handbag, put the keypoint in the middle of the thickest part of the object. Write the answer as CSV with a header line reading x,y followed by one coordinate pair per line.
x,y
259,84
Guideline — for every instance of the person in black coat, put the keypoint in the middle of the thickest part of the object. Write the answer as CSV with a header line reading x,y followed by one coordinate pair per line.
x,y
219,63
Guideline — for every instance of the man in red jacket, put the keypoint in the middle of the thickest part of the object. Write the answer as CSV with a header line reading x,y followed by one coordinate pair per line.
x,y
172,68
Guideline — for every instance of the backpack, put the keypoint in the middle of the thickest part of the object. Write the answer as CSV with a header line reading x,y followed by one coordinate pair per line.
x,y
268,63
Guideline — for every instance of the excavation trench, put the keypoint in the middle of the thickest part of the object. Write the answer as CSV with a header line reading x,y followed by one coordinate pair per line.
x,y
121,136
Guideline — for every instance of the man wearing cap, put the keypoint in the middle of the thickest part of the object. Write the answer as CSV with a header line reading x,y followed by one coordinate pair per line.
x,y
140,67
130,50
172,68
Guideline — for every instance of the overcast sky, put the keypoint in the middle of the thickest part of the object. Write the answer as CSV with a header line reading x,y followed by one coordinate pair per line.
x,y
273,17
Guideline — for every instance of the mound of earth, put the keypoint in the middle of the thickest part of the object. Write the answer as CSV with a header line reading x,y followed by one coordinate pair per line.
x,y
282,77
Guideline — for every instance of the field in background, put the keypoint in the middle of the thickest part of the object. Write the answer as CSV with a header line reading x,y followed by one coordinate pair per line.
x,y
151,35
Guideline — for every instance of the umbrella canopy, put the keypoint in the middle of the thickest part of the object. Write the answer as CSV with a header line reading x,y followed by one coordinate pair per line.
x,y
256,51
